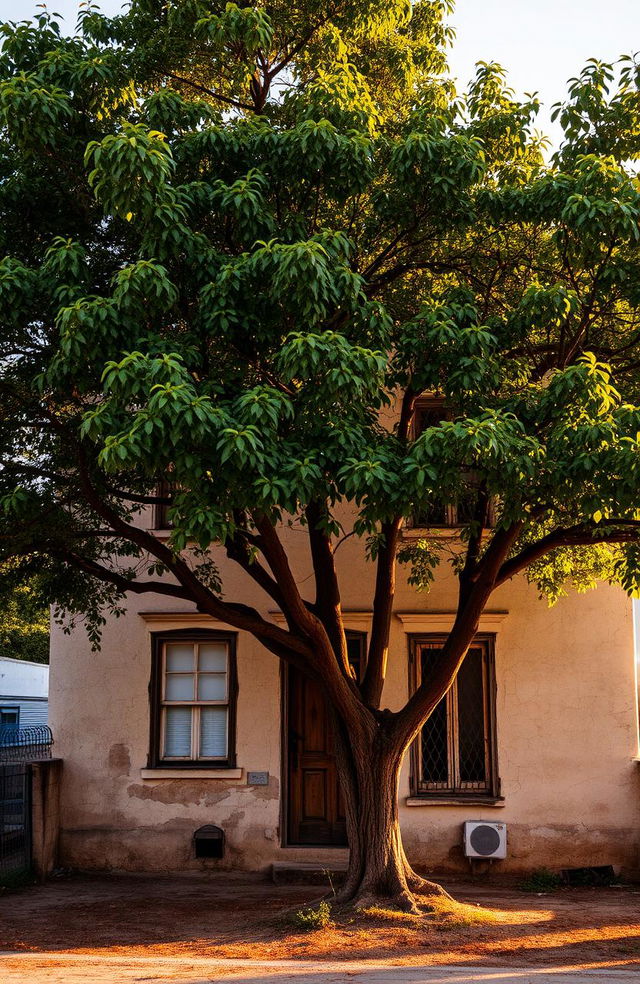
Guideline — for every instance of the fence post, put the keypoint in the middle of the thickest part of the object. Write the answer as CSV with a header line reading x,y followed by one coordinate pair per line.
x,y
45,815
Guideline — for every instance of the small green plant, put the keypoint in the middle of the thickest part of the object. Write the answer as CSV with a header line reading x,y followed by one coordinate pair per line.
x,y
328,872
310,919
541,880
386,914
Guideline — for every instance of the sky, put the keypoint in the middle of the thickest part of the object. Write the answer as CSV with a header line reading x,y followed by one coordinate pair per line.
x,y
541,43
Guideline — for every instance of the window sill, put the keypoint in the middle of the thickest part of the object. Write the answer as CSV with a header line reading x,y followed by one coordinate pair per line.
x,y
161,773
436,532
455,801
430,532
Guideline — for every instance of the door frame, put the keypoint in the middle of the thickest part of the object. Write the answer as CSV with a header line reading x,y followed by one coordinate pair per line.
x,y
284,746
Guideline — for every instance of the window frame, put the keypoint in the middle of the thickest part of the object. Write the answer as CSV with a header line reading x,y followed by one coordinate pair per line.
x,y
457,791
361,638
451,521
160,519
10,709
159,640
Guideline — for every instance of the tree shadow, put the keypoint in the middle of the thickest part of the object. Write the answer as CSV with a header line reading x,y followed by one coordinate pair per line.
x,y
200,918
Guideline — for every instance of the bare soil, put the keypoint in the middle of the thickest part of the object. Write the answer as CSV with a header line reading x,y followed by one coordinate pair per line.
x,y
232,917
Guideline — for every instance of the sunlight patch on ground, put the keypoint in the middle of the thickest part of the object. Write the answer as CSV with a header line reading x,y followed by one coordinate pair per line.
x,y
450,914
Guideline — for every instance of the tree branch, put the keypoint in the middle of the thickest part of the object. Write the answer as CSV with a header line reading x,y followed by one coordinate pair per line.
x,y
328,603
240,616
238,550
208,92
420,705
323,656
376,670
580,535
125,584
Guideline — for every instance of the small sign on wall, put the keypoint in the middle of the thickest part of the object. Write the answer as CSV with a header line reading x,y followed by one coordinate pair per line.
x,y
257,778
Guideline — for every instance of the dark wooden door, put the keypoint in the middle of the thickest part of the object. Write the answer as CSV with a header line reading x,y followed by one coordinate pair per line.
x,y
315,805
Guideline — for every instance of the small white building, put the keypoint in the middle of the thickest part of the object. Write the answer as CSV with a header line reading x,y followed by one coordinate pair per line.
x,y
24,693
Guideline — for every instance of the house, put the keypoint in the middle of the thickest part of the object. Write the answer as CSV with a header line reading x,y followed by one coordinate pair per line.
x,y
24,690
180,722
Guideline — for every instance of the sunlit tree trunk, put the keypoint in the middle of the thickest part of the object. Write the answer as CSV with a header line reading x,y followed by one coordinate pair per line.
x,y
368,763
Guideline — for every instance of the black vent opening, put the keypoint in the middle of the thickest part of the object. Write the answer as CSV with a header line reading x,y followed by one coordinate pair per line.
x,y
209,842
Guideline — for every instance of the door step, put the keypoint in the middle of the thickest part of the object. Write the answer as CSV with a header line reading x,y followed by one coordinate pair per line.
x,y
309,872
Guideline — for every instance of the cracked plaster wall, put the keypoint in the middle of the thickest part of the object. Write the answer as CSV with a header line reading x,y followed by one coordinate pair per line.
x,y
567,738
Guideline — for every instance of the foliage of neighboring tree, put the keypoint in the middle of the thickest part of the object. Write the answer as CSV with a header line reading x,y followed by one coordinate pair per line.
x,y
24,620
239,243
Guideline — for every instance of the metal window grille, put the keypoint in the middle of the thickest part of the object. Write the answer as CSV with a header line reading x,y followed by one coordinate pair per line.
x,y
456,745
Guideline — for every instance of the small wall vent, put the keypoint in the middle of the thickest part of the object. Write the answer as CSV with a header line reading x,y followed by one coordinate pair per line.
x,y
485,840
209,841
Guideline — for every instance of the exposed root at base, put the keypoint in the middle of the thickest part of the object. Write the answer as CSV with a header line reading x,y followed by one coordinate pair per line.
x,y
422,886
402,902
433,908
436,911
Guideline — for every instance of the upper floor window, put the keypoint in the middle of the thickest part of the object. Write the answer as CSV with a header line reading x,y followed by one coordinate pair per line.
x,y
357,651
193,691
430,412
455,752
161,509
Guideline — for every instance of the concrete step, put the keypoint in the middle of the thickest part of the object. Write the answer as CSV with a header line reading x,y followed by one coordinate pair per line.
x,y
309,872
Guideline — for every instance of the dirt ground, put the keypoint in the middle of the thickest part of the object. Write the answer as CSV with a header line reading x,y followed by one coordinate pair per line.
x,y
225,917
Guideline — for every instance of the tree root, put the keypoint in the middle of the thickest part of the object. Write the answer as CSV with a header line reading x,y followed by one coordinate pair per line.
x,y
359,895
402,902
422,886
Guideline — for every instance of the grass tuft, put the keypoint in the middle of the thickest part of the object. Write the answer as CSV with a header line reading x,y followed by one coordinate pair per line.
x,y
384,914
311,919
439,912
447,914
540,880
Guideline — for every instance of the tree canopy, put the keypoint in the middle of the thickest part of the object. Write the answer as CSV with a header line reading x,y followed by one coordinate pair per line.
x,y
232,235
24,619
240,242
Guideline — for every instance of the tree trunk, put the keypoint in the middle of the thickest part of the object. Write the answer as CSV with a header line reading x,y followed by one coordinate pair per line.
x,y
378,872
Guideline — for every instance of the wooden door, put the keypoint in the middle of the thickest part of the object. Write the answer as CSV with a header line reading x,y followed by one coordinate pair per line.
x,y
315,806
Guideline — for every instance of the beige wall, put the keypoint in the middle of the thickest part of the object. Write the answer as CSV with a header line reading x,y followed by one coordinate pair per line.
x,y
566,721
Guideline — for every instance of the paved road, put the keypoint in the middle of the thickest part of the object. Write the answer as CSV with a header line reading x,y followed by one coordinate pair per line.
x,y
48,968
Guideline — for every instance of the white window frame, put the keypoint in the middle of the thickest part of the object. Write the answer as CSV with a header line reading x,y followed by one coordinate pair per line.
x,y
194,705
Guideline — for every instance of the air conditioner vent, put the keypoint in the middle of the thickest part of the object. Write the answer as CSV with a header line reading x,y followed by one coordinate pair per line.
x,y
485,840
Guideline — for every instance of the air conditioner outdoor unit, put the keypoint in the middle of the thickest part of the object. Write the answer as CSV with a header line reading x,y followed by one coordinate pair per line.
x,y
485,840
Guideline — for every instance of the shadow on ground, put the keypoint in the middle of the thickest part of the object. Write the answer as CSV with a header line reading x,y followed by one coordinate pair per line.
x,y
216,917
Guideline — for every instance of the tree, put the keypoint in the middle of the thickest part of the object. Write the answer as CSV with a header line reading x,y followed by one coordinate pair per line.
x,y
235,238
24,619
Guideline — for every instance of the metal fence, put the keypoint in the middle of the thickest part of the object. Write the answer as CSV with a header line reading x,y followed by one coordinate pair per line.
x,y
25,744
18,748
15,819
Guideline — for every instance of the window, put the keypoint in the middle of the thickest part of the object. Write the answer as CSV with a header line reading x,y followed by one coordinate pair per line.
x,y
161,509
430,412
193,690
455,752
9,717
357,651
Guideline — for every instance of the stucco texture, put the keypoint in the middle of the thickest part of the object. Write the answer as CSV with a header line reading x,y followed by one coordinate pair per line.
x,y
566,730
